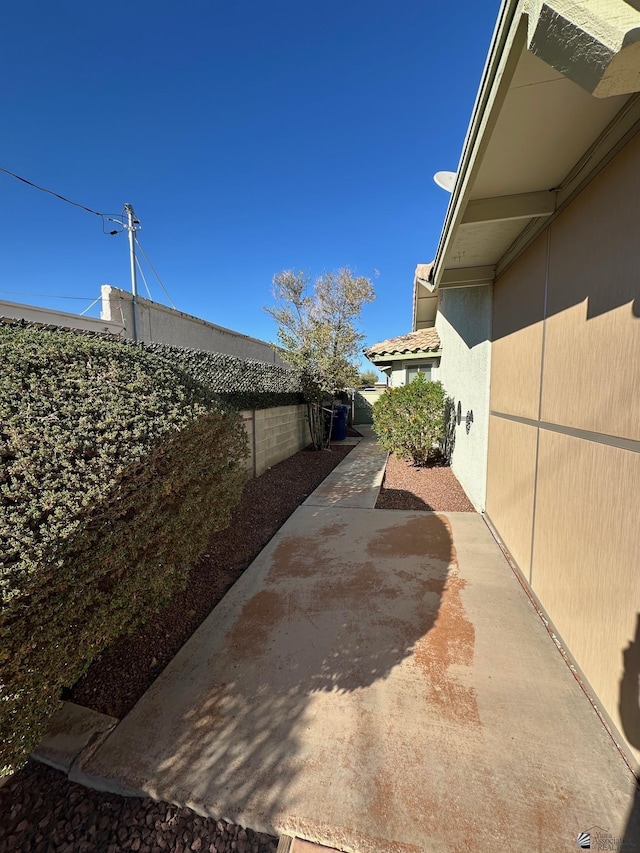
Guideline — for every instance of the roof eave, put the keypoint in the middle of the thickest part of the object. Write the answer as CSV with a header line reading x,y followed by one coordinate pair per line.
x,y
493,87
597,48
400,356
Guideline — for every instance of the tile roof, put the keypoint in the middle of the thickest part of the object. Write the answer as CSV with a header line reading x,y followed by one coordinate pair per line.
x,y
424,340
423,271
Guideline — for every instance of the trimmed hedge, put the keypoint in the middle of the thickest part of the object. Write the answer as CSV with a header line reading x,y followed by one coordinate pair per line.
x,y
240,383
115,468
410,420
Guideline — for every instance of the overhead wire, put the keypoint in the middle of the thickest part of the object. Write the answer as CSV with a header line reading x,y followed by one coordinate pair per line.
x,y
103,216
144,280
91,306
45,295
117,218
146,257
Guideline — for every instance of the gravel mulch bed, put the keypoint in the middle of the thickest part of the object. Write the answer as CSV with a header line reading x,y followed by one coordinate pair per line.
x,y
433,487
42,812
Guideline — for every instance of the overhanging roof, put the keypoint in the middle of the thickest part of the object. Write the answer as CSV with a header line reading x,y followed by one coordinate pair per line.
x,y
422,342
554,104
425,303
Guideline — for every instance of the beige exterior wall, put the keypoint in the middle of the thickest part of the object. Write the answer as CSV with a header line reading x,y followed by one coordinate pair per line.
x,y
511,470
164,325
592,335
563,478
274,435
371,396
586,547
516,352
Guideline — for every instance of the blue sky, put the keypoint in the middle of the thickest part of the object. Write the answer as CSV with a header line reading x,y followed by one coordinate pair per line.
x,y
249,137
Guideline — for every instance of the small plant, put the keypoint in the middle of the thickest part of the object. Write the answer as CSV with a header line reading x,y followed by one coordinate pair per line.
x,y
410,420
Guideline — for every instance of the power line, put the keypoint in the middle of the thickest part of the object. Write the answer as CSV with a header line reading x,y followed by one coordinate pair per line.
x,y
144,279
45,295
102,216
146,257
89,307
117,218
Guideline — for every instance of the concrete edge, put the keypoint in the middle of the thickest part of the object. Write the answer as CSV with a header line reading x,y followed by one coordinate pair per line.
x,y
293,844
73,733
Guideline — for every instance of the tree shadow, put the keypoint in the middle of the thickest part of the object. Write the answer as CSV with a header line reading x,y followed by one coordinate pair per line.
x,y
449,435
629,708
299,671
402,499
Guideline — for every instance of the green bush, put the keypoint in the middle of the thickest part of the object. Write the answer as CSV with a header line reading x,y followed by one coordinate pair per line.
x,y
410,420
115,468
240,383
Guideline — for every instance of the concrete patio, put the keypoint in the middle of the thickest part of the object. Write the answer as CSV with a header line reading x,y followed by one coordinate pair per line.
x,y
376,681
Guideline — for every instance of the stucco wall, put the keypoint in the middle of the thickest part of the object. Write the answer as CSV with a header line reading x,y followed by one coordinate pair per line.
x,y
167,326
274,434
463,323
48,316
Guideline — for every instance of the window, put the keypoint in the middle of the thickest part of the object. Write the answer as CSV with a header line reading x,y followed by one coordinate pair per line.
x,y
415,369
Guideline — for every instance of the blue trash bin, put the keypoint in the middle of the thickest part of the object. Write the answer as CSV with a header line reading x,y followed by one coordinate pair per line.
x,y
339,426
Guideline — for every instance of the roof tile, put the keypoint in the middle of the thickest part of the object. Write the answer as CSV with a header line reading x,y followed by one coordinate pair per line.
x,y
424,340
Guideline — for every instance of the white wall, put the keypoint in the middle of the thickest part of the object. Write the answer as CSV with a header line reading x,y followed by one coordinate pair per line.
x,y
463,322
161,324
49,317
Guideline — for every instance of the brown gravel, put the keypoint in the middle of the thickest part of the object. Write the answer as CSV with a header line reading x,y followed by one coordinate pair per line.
x,y
433,487
42,812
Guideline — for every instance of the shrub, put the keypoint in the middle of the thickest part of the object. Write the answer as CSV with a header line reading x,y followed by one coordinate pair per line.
x,y
241,383
409,420
115,467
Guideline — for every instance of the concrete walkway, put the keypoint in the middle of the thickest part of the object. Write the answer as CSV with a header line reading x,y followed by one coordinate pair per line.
x,y
376,681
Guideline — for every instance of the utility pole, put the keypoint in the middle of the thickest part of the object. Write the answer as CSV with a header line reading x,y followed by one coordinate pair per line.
x,y
132,221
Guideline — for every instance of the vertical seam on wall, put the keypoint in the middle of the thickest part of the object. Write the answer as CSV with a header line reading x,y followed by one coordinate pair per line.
x,y
535,470
253,437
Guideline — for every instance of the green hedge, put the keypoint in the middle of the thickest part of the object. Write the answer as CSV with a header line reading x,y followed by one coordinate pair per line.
x,y
115,467
240,383
410,420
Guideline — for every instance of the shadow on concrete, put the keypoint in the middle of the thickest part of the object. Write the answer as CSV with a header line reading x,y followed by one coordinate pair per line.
x,y
240,724
629,708
402,499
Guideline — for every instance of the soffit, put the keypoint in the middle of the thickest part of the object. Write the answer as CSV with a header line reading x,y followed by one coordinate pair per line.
x,y
546,123
426,304
540,129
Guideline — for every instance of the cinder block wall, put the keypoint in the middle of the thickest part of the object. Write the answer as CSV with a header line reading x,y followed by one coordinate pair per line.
x,y
274,435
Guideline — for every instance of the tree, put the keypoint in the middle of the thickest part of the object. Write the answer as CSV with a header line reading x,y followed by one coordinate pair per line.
x,y
318,334
368,377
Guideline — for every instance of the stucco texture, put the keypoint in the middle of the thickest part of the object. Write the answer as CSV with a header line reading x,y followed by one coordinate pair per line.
x,y
463,322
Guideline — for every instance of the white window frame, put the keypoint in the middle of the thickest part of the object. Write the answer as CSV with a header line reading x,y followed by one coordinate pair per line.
x,y
431,363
